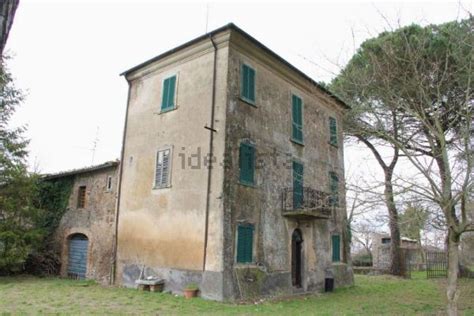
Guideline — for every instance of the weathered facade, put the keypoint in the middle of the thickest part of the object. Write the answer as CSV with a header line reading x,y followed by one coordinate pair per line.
x,y
269,217
85,236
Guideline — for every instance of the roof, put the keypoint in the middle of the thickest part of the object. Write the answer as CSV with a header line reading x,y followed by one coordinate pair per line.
x,y
233,27
105,165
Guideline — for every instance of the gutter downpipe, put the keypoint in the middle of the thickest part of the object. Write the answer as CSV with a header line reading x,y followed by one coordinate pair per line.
x,y
211,153
113,269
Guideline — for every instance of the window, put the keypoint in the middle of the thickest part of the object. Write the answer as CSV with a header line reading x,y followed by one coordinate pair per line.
x,y
168,94
332,131
109,183
247,163
297,114
336,248
162,171
386,240
247,82
297,185
334,188
245,243
81,197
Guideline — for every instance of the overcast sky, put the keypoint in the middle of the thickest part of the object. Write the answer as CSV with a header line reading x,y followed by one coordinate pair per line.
x,y
68,56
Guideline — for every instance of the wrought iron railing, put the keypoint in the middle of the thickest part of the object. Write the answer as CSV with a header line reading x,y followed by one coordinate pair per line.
x,y
306,199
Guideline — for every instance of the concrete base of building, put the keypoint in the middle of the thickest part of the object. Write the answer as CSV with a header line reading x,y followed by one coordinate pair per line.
x,y
239,283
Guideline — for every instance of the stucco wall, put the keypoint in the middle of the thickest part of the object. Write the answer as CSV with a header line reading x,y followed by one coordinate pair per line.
x,y
95,220
268,126
163,229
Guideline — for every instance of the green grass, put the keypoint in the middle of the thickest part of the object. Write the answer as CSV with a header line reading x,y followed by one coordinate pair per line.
x,y
371,295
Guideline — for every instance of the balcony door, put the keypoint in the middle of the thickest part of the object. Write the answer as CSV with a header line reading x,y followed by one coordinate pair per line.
x,y
297,185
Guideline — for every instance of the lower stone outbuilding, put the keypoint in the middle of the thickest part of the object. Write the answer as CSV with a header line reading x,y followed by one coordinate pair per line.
x,y
84,237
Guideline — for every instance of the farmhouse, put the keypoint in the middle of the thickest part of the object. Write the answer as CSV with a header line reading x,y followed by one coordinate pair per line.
x,y
232,173
231,177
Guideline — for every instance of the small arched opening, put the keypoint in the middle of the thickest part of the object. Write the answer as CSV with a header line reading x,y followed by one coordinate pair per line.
x,y
78,246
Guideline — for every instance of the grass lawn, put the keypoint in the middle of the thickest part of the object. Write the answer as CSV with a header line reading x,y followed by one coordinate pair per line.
x,y
371,295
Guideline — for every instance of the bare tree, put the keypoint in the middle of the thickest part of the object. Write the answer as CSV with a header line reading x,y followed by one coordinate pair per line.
x,y
421,77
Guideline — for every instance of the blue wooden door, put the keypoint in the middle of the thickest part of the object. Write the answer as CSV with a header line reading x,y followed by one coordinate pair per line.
x,y
77,259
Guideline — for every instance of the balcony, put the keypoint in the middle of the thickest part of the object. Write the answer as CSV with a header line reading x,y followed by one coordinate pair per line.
x,y
307,203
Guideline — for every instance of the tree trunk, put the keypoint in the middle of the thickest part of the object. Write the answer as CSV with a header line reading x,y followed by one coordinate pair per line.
x,y
395,251
452,290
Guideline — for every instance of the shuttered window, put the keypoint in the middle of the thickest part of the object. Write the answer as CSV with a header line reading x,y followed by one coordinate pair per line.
x,y
162,171
247,84
336,248
297,115
334,188
245,243
247,163
168,94
332,131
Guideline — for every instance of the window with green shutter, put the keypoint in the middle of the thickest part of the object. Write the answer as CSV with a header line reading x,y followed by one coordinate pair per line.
x,y
247,84
297,115
332,131
168,94
245,243
247,163
336,248
334,188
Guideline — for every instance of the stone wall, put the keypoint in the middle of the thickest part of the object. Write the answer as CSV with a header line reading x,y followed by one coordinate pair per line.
x,y
95,221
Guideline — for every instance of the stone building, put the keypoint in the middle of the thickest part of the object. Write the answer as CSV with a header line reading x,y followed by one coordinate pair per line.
x,y
381,256
85,236
269,216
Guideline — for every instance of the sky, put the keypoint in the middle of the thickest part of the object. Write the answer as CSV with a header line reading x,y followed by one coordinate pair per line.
x,y
67,57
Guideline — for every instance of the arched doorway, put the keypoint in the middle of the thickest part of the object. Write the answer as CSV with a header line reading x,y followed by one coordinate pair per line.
x,y
78,245
296,257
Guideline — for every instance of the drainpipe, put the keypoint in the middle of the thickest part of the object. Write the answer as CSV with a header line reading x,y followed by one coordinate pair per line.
x,y
211,153
113,269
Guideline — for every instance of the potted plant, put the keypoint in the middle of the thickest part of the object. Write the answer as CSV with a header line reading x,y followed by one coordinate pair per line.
x,y
191,290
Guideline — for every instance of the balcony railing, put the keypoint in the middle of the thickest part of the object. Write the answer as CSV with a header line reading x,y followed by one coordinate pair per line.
x,y
306,203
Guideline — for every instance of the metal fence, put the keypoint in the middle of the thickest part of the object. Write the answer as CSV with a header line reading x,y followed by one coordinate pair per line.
x,y
436,265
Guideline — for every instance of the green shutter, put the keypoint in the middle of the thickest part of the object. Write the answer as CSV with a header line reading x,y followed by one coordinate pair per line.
x,y
336,248
247,89
247,163
297,115
169,88
334,187
332,131
244,243
297,185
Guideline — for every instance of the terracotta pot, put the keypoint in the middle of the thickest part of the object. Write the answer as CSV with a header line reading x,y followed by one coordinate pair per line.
x,y
190,293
